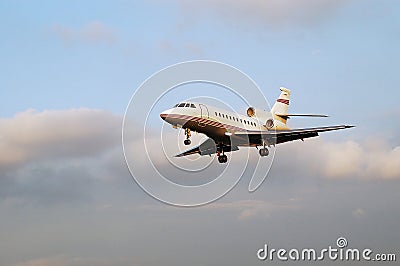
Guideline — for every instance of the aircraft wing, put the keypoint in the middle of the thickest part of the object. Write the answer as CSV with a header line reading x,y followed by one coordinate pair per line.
x,y
191,151
281,136
208,147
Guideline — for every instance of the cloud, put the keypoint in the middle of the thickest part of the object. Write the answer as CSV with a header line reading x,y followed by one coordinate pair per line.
x,y
274,13
76,261
104,225
34,136
244,209
373,159
94,32
54,156
359,212
249,209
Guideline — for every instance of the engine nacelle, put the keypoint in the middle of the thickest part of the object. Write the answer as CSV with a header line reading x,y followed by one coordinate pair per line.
x,y
252,112
269,123
261,116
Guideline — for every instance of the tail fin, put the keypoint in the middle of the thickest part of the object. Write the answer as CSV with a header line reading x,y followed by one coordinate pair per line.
x,y
282,105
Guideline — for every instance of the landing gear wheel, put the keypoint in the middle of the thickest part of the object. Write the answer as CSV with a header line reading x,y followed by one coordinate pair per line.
x,y
222,158
263,152
188,134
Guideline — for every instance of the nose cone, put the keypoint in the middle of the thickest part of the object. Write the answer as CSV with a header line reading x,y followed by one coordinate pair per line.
x,y
165,114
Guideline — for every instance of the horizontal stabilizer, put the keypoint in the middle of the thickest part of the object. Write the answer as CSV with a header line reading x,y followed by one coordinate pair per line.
x,y
286,116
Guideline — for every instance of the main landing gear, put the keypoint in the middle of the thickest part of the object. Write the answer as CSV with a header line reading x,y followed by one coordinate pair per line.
x,y
264,151
222,158
188,134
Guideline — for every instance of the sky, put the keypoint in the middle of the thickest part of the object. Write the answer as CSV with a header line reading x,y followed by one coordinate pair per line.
x,y
69,68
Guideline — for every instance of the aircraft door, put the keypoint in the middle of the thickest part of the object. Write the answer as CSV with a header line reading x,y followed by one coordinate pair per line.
x,y
203,113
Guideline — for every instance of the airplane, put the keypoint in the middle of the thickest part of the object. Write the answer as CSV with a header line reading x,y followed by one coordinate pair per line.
x,y
227,130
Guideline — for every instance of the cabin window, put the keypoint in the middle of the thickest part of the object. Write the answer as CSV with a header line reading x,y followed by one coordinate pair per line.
x,y
223,116
241,121
216,114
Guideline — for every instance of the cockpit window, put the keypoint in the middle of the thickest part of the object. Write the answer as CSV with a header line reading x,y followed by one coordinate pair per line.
x,y
191,105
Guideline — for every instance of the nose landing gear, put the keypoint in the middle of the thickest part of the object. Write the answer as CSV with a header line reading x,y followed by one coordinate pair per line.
x,y
188,135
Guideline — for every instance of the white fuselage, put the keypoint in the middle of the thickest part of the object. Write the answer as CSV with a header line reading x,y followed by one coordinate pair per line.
x,y
216,122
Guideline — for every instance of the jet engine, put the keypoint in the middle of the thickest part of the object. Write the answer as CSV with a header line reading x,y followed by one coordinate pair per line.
x,y
269,123
251,112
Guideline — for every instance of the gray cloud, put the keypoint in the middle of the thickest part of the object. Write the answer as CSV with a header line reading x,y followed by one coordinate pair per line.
x,y
55,156
63,260
373,159
32,136
86,204
254,209
243,209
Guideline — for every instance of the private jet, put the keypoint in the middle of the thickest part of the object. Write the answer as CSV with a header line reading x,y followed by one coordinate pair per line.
x,y
227,130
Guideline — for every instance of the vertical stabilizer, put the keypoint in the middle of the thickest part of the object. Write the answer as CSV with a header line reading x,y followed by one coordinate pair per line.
x,y
282,105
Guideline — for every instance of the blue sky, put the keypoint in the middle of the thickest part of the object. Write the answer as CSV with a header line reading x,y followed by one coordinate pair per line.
x,y
69,68
333,54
